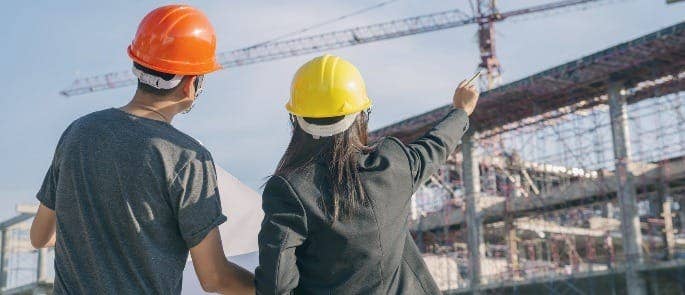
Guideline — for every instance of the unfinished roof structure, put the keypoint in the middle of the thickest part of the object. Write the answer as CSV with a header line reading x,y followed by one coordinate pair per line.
x,y
648,66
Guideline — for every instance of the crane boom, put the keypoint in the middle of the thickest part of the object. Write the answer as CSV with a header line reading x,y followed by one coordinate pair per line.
x,y
331,40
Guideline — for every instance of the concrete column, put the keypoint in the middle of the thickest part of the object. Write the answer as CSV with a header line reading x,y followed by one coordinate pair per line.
x,y
492,181
474,225
539,246
666,212
512,247
669,235
630,220
548,251
609,245
4,251
510,237
609,210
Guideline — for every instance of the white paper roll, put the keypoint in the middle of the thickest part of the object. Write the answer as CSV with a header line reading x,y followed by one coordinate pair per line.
x,y
243,207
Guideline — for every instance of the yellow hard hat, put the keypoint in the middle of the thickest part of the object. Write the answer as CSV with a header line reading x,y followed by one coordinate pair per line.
x,y
327,86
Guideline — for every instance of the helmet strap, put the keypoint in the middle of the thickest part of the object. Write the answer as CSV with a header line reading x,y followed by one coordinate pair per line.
x,y
318,131
156,82
199,86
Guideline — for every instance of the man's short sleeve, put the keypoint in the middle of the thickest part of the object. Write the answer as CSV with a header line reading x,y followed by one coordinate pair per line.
x,y
48,190
196,200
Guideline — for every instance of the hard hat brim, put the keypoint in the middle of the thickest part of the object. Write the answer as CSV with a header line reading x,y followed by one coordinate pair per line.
x,y
176,68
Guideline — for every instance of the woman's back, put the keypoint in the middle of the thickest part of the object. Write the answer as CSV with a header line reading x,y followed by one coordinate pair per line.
x,y
370,252
336,210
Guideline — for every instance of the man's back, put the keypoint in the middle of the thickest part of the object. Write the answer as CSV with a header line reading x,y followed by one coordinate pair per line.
x,y
131,196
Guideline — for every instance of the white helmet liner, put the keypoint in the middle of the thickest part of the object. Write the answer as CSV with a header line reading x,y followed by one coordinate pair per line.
x,y
327,130
155,81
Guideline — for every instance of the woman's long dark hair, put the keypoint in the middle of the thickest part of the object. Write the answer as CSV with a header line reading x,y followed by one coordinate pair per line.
x,y
341,152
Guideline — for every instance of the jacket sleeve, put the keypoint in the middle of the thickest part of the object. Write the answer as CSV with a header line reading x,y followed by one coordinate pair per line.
x,y
429,152
284,228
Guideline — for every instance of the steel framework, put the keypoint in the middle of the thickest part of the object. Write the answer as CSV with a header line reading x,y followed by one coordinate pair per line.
x,y
651,65
572,182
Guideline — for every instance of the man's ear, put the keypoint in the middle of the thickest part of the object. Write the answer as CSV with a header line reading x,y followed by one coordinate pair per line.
x,y
188,83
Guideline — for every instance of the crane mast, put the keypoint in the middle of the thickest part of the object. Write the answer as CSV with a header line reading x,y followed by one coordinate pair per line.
x,y
345,38
487,16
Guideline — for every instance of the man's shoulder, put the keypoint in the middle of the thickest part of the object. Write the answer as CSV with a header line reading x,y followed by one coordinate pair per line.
x,y
93,119
83,124
97,115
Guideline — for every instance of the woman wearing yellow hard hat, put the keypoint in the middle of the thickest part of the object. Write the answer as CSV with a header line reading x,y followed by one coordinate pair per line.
x,y
336,209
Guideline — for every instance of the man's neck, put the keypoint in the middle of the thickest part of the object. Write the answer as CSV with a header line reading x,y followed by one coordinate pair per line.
x,y
146,106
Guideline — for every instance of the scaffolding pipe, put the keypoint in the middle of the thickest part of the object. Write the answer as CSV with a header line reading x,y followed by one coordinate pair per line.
x,y
42,266
513,192
471,178
625,192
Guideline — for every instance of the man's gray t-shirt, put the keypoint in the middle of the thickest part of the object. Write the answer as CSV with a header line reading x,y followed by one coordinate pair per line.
x,y
131,195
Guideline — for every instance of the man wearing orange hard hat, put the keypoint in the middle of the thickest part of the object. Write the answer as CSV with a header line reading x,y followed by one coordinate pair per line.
x,y
127,196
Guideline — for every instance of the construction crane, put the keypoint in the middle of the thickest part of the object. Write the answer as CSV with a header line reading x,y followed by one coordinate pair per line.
x,y
486,15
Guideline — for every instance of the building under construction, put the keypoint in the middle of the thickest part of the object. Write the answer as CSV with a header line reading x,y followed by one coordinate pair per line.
x,y
571,181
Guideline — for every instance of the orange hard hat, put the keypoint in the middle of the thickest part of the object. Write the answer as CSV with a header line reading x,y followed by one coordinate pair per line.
x,y
175,39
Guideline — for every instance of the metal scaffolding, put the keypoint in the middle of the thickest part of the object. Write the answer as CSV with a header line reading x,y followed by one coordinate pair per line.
x,y
572,181
23,269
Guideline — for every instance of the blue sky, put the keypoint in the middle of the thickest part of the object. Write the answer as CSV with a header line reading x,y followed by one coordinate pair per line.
x,y
240,118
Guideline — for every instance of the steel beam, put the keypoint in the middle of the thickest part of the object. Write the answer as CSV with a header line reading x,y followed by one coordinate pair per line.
x,y
625,192
471,179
